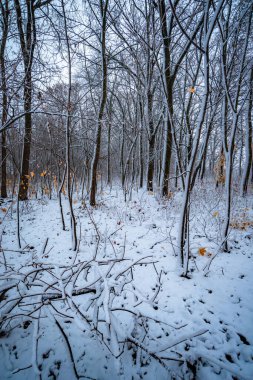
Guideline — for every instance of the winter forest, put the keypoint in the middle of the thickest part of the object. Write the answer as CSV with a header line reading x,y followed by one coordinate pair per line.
x,y
126,208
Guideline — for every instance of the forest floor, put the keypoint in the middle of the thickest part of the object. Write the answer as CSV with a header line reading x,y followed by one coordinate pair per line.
x,y
118,309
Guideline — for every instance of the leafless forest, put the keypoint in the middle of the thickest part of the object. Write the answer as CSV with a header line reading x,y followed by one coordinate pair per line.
x,y
118,115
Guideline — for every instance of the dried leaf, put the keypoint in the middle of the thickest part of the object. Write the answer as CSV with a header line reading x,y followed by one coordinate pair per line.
x,y
202,251
192,89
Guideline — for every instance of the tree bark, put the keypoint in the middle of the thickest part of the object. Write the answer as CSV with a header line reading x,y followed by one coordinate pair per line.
x,y
151,146
248,140
229,149
27,43
4,7
96,154
67,132
168,81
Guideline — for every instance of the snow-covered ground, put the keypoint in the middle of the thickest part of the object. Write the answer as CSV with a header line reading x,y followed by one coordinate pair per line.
x,y
118,308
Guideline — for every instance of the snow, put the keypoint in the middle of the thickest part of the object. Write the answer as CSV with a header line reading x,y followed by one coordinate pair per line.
x,y
123,308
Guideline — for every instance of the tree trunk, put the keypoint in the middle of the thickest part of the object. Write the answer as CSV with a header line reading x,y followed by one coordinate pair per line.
x,y
151,155
109,179
122,143
141,145
24,182
5,28
248,140
151,142
27,43
230,147
96,153
168,82
67,133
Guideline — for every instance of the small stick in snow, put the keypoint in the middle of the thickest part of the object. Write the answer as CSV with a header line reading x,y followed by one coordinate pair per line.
x,y
184,338
44,247
69,347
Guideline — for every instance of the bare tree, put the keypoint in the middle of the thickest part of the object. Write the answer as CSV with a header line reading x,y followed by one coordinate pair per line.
x,y
5,13
248,141
183,241
103,5
68,128
234,102
27,37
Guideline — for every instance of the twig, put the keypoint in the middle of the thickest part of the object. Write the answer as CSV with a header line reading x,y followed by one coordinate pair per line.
x,y
184,338
152,354
69,347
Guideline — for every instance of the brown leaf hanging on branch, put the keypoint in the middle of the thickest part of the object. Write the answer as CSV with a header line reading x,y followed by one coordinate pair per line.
x,y
192,90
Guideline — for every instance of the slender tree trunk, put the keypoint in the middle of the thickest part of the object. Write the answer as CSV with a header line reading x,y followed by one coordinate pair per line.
x,y
167,163
61,184
248,140
151,142
24,183
127,162
67,133
229,171
151,154
200,167
3,165
230,147
27,42
96,154
109,179
5,28
168,82
183,237
141,145
122,143
184,219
